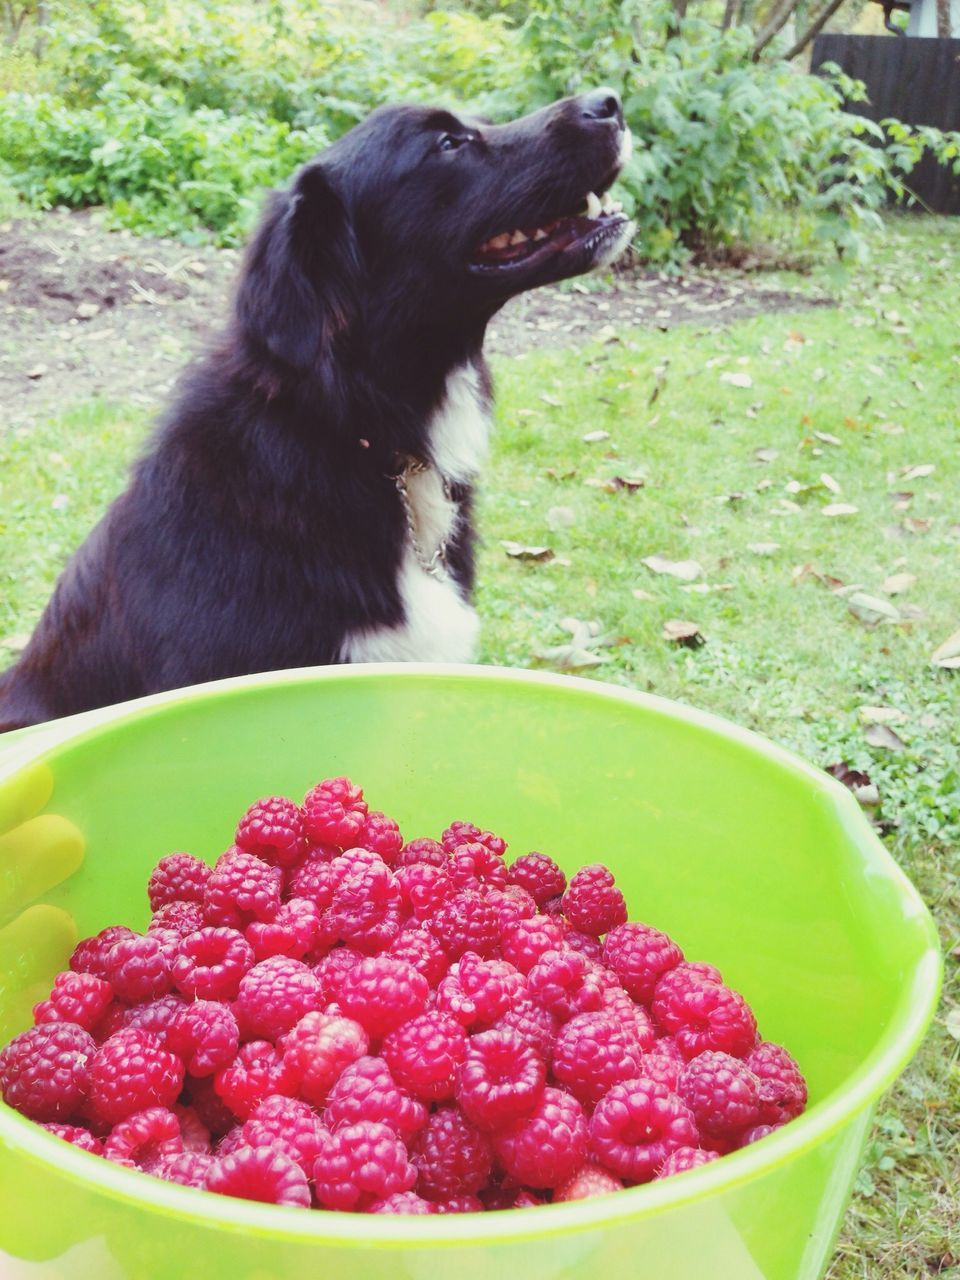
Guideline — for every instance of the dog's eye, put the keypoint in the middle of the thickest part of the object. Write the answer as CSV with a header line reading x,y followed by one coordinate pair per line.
x,y
452,141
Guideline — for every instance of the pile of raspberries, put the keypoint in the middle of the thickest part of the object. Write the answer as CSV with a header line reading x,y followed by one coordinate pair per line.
x,y
332,1018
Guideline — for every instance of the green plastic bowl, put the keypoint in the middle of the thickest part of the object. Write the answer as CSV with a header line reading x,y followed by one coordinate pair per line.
x,y
749,857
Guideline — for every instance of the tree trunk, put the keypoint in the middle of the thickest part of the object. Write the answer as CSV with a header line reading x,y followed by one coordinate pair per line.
x,y
943,19
777,19
730,14
816,26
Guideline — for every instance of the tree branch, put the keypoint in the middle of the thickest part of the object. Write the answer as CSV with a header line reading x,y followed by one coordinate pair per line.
x,y
819,22
777,19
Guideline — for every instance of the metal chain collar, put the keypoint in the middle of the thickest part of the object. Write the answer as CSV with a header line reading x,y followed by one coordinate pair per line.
x,y
436,564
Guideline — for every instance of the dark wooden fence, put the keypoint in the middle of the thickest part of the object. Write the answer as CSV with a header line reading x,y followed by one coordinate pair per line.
x,y
914,79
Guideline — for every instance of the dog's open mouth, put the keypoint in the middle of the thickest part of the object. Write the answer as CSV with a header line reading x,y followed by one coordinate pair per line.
x,y
600,221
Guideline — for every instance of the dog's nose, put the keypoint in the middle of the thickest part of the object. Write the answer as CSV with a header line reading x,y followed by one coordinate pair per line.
x,y
602,104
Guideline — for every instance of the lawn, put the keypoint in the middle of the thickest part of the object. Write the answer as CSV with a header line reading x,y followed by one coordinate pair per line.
x,y
802,468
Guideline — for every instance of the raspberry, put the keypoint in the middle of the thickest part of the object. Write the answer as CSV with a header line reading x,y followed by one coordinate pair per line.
x,y
592,902
141,1140
137,968
77,1136
318,1049
663,1062
722,1093
272,829
241,888
205,1036
636,1125
195,1134
547,1146
783,1090
231,1141
314,877
210,1108
756,1133
459,1204
589,1180
189,1169
257,1071
180,918
132,1072
211,963
466,922
334,812
566,983
156,1018
512,904
334,967
451,1156
683,1158
539,875
382,835
499,1080
423,1055
535,1026
360,1164
525,942
474,866
422,850
90,954
702,1014
367,1091
45,1071
588,946
80,998
593,1052
365,911
459,833
381,993
640,956
633,1017
288,1125
479,991
423,888
402,1202
259,1173
292,932
421,949
274,995
179,877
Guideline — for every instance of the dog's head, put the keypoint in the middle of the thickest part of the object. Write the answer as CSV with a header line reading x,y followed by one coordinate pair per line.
x,y
420,218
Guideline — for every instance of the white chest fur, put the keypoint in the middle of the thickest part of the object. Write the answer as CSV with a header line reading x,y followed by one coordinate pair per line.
x,y
438,625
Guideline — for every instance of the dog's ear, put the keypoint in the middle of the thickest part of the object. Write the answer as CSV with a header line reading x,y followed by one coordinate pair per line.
x,y
298,290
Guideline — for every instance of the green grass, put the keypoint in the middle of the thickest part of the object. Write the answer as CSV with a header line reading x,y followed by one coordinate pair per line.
x,y
783,654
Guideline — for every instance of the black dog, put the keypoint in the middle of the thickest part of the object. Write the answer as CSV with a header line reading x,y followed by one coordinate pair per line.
x,y
307,498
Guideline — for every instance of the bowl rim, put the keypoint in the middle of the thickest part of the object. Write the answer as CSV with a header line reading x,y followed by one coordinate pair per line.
x,y
895,1047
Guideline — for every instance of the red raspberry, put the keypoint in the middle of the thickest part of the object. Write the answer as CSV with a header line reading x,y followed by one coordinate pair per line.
x,y
466,922
45,1071
334,967
701,1014
189,1169
211,963
527,941
195,1134
553,907
592,902
474,866
500,1079
663,1062
423,888
566,983
459,833
588,946
314,877
292,932
534,1025
683,1158
272,829
451,1156
318,1049
479,991
241,888
137,968
421,949
257,1071
288,1125
402,1202
756,1133
132,1072
367,1091
722,1093
155,1017
335,812
459,1204
359,1164
547,1146
512,904
179,877
141,1140
365,911
381,993
259,1173
180,918
589,1180
210,1108
783,1090
422,850
423,1055
77,1136
205,1036
593,1052
231,1141
382,835
274,995
90,954
633,1017
640,956
539,875
636,1125
81,998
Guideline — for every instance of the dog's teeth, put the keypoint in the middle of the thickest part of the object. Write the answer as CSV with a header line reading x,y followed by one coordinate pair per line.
x,y
593,205
606,202
626,147
499,242
539,234
519,237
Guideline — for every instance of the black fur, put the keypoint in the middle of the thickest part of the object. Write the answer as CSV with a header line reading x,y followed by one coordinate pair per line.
x,y
262,526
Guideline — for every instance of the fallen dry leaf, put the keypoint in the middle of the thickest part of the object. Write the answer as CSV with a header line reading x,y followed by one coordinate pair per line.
x,y
560,517
826,438
594,437
630,483
685,570
739,379
948,653
881,735
916,524
763,548
839,509
828,482
706,588
517,551
855,780
569,658
919,472
639,594
682,632
551,400
881,715
898,582
766,454
872,610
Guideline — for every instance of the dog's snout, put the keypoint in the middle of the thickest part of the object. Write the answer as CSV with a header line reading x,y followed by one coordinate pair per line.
x,y
602,104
